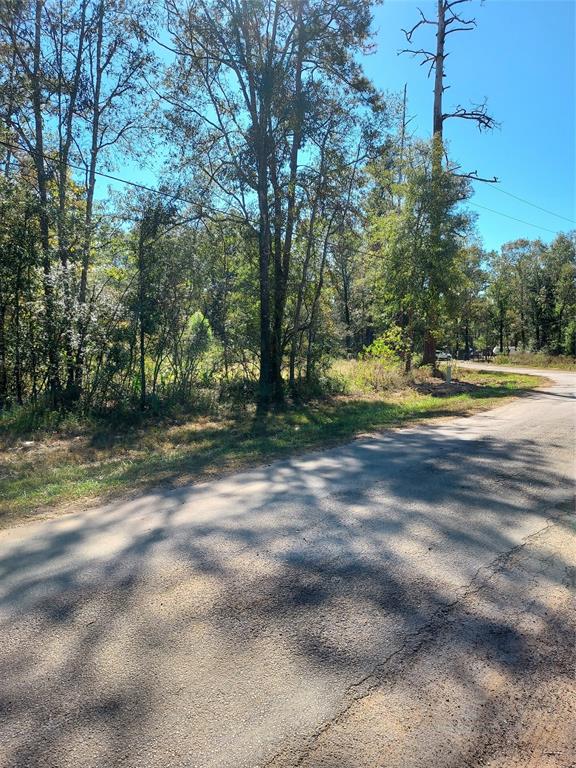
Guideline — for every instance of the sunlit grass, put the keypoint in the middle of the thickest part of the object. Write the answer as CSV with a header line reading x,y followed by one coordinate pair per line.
x,y
72,463
538,360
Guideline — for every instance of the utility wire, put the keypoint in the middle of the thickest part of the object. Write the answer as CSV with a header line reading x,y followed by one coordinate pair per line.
x,y
192,202
537,226
539,207
121,180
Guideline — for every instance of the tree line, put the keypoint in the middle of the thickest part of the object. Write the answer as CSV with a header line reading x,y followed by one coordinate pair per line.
x,y
293,220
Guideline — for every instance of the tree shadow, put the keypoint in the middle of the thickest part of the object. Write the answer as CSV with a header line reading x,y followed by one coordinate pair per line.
x,y
204,625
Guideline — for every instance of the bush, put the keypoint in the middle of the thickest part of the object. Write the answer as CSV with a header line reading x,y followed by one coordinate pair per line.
x,y
325,384
389,347
570,338
32,418
422,373
238,391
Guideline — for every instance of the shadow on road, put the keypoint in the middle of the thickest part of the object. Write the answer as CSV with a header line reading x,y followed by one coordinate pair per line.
x,y
198,622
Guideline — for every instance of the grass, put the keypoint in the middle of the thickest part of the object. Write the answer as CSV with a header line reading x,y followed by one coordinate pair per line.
x,y
61,465
538,360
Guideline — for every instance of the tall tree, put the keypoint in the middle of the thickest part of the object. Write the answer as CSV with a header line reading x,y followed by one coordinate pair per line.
x,y
155,218
413,287
67,100
449,20
256,80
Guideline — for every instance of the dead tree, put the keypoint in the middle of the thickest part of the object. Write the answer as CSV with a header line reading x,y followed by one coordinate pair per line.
x,y
449,20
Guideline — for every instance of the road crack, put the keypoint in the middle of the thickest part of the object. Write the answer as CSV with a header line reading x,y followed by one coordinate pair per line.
x,y
415,641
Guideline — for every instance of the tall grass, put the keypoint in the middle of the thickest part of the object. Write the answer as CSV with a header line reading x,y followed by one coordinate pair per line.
x,y
538,360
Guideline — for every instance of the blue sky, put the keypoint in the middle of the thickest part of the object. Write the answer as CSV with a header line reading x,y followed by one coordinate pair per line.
x,y
521,58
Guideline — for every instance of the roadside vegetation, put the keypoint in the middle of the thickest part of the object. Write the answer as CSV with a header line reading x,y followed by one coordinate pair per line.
x,y
535,360
167,331
295,218
50,461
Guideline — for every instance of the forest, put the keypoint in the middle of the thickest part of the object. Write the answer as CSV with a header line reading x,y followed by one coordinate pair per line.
x,y
295,221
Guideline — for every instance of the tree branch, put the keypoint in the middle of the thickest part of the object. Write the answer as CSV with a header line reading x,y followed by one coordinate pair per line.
x,y
475,177
477,114
460,29
423,21
427,57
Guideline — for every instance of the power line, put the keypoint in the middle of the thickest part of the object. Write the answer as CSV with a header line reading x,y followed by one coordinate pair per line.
x,y
528,223
120,180
539,207
192,202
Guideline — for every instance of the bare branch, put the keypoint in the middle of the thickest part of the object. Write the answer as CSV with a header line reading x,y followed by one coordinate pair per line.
x,y
454,169
449,4
474,176
422,22
460,29
420,52
427,57
456,17
477,114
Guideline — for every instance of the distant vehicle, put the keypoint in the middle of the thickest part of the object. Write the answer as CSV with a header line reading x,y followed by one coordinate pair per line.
x,y
442,354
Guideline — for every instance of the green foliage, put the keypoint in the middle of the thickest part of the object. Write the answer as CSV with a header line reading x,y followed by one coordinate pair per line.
x,y
417,231
388,347
369,375
300,222
569,338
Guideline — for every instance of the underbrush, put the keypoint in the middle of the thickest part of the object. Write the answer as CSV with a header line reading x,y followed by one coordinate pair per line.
x,y
35,419
372,375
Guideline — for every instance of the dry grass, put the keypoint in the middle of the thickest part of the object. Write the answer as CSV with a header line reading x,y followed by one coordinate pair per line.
x,y
558,362
76,463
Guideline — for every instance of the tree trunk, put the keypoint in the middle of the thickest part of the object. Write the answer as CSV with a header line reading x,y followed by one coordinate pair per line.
x,y
316,301
284,266
141,320
264,388
17,351
3,370
438,119
53,356
347,314
87,240
279,291
65,132
305,266
429,352
409,341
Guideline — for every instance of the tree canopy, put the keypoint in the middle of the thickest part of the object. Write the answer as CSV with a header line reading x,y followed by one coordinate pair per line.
x,y
294,219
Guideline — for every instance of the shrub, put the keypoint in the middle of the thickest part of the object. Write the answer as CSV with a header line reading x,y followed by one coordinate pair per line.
x,y
367,375
388,347
238,391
